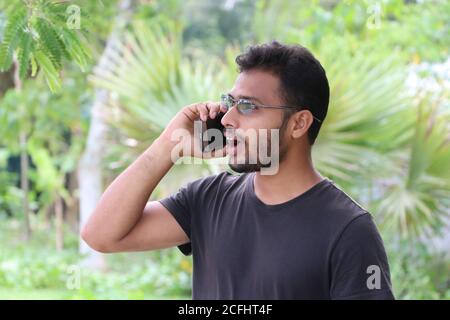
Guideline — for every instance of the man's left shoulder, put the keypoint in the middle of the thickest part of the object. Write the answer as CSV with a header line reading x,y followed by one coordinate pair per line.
x,y
338,206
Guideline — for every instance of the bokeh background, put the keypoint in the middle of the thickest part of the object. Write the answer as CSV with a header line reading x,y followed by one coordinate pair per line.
x,y
85,86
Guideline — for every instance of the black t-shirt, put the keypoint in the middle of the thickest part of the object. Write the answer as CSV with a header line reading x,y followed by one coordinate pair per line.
x,y
319,245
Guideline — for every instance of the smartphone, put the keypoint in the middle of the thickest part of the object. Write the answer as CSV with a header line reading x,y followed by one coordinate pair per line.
x,y
213,124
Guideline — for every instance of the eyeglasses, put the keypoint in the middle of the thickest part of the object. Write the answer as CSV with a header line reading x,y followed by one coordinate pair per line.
x,y
246,107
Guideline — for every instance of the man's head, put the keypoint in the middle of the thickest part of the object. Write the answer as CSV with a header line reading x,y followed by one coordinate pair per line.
x,y
274,74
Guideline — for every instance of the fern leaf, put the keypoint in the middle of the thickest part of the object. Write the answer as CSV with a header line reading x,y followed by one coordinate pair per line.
x,y
48,40
26,47
50,72
77,50
33,65
13,34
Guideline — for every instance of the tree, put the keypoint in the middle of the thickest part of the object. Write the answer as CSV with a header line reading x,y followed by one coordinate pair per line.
x,y
41,35
54,139
37,36
151,83
90,166
373,139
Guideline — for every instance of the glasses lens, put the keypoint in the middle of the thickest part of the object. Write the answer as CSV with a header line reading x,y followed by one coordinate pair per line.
x,y
245,107
226,101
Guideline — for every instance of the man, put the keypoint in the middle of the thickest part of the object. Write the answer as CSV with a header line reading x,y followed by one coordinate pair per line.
x,y
292,234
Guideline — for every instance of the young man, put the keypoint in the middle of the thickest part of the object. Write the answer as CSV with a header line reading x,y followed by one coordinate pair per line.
x,y
292,234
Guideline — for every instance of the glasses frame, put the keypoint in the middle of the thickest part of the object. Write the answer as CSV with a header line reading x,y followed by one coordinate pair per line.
x,y
236,102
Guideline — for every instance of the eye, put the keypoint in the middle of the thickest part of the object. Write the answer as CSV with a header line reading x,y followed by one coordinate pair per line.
x,y
245,106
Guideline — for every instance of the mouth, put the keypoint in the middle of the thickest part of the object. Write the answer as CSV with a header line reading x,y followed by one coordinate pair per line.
x,y
232,144
232,141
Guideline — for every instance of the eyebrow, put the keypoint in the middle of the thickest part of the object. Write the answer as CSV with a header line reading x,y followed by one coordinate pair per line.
x,y
246,98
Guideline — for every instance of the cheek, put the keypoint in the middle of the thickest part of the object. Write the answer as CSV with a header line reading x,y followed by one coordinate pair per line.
x,y
254,124
268,119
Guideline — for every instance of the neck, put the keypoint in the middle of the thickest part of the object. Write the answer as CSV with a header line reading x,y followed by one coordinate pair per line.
x,y
295,176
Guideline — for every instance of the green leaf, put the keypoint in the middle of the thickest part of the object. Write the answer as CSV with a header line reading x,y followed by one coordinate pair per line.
x,y
13,35
75,48
26,47
51,74
48,40
49,178
33,65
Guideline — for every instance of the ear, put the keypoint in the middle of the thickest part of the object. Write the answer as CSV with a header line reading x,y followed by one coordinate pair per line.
x,y
302,120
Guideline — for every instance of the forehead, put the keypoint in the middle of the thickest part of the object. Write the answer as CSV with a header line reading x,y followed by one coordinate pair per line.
x,y
259,84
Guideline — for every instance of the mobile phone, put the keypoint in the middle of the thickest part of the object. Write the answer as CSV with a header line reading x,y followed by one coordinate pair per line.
x,y
213,124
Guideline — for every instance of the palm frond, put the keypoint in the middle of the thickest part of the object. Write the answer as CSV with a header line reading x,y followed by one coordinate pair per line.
x,y
420,202
151,81
368,116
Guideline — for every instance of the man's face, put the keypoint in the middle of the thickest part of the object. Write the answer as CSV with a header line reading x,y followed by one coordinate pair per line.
x,y
253,131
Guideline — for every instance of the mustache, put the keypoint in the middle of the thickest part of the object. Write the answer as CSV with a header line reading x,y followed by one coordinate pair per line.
x,y
243,135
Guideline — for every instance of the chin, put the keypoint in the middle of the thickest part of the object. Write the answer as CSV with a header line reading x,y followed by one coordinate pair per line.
x,y
244,168
239,165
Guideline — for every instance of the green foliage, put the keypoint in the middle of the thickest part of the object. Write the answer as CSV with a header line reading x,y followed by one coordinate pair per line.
x,y
418,201
39,33
210,25
55,136
160,82
13,35
366,99
130,276
417,271
419,31
10,195
372,140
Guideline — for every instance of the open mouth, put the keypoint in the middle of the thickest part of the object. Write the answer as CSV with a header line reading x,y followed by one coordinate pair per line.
x,y
232,141
232,144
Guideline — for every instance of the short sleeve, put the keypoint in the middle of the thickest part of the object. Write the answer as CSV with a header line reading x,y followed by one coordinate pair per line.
x,y
359,265
180,206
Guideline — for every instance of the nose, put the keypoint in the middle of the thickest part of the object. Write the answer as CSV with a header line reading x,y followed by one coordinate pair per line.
x,y
230,119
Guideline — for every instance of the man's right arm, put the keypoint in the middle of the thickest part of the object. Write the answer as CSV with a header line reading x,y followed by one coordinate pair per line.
x,y
123,220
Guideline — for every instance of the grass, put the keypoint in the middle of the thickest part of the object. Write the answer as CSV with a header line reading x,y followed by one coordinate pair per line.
x,y
35,294
61,294
35,270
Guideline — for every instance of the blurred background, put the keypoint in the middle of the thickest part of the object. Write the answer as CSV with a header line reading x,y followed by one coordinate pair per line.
x,y
85,86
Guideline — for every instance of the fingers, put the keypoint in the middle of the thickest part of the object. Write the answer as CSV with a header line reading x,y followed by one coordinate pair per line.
x,y
214,109
206,110
203,111
222,108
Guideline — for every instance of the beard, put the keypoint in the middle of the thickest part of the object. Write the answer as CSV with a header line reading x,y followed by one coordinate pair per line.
x,y
256,167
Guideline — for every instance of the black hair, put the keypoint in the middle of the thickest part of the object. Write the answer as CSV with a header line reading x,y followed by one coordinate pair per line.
x,y
303,79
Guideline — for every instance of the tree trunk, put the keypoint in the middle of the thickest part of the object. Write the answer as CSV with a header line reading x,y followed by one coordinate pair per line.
x,y
72,209
24,164
59,222
89,169
24,183
48,217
